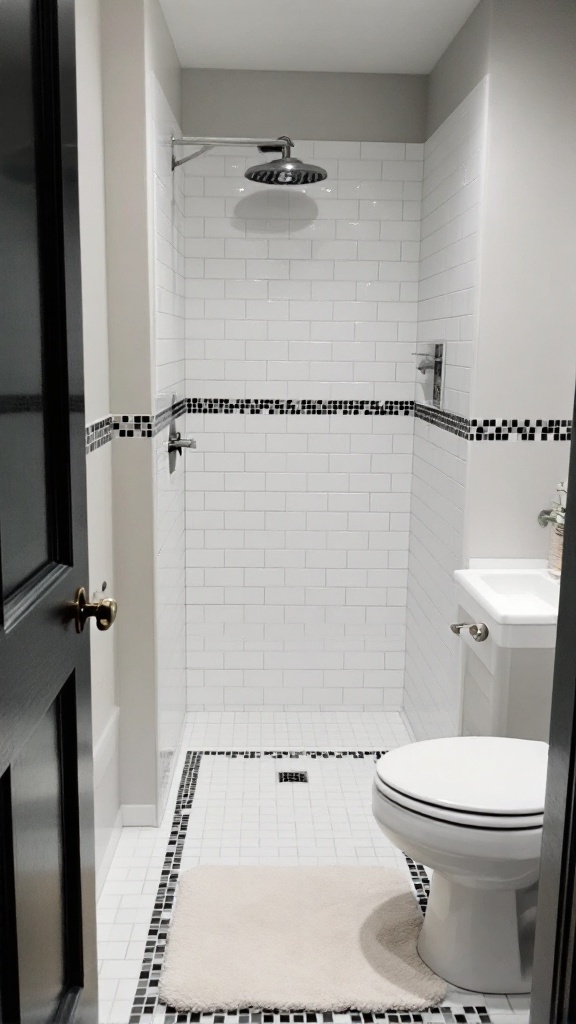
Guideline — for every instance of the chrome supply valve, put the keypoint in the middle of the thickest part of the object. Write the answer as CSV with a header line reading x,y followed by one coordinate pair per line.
x,y
176,443
478,630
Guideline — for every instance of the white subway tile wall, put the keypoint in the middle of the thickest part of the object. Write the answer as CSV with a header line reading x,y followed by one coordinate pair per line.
x,y
170,312
297,525
454,159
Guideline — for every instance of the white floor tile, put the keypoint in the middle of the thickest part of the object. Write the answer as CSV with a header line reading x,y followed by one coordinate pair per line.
x,y
242,814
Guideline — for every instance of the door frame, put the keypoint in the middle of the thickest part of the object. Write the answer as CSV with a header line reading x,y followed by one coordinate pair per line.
x,y
554,985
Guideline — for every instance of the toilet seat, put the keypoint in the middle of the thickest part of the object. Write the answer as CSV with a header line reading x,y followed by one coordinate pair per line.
x,y
486,782
471,819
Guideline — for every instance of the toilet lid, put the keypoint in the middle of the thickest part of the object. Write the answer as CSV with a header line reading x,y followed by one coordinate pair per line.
x,y
477,774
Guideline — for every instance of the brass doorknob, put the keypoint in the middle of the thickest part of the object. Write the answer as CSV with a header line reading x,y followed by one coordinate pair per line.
x,y
103,611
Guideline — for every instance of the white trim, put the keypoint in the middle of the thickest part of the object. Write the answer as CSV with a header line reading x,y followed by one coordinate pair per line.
x,y
107,746
106,757
138,815
103,867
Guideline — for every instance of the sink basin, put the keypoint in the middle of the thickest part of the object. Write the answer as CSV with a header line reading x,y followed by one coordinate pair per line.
x,y
517,597
512,595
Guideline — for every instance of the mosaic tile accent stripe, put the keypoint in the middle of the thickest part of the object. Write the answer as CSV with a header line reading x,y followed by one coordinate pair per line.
x,y
495,429
520,430
445,420
148,425
300,407
98,434
295,754
134,425
147,1006
146,998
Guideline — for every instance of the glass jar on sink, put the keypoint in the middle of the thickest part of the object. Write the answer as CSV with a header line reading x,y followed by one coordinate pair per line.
x,y
555,517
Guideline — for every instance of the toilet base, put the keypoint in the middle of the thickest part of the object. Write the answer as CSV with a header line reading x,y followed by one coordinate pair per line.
x,y
479,939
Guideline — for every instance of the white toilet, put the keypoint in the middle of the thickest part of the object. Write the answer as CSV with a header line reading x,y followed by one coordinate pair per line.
x,y
471,808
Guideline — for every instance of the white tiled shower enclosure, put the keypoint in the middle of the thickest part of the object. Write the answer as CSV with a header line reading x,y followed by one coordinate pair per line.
x,y
309,525
297,535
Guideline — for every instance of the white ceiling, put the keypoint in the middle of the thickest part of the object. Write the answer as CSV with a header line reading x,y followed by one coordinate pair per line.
x,y
395,36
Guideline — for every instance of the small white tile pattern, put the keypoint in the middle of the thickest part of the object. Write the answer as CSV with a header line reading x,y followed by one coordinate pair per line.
x,y
453,178
454,160
297,526
240,814
304,292
296,552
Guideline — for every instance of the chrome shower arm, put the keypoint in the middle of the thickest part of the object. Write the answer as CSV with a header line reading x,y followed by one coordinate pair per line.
x,y
284,143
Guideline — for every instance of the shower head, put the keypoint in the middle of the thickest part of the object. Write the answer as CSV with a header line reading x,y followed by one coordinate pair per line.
x,y
286,171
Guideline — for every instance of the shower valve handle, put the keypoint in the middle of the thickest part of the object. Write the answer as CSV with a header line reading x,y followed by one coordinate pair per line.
x,y
176,443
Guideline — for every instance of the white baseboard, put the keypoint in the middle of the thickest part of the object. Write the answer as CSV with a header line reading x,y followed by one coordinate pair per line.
x,y
139,815
103,867
107,816
107,746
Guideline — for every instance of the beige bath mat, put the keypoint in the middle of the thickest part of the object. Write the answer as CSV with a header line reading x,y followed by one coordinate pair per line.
x,y
320,938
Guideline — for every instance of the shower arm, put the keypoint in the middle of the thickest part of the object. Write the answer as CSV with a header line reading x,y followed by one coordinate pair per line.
x,y
283,144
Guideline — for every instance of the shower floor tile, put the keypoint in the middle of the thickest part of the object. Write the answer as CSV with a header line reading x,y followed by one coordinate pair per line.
x,y
236,812
276,730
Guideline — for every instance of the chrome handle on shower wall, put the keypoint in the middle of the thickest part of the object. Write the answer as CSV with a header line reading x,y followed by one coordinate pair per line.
x,y
176,443
478,630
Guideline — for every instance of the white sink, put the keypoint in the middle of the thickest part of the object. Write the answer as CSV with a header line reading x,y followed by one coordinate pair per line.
x,y
512,597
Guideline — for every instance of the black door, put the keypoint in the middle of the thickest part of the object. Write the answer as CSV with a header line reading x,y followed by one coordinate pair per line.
x,y
554,987
47,912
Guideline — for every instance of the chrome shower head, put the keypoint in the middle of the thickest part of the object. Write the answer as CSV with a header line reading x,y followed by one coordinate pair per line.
x,y
286,171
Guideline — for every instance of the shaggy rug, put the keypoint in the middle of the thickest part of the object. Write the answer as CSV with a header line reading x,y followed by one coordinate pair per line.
x,y
318,938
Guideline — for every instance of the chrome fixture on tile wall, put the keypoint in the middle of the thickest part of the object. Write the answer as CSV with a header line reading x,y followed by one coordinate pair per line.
x,y
286,171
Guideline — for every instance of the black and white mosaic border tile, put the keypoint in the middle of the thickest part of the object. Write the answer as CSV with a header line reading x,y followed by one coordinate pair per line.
x,y
134,425
295,754
441,418
148,1007
520,430
495,429
300,407
98,434
148,425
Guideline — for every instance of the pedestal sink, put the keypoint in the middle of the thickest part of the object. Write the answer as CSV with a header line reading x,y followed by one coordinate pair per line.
x,y
507,679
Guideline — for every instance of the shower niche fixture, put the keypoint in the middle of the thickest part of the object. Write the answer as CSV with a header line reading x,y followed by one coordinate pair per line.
x,y
430,364
287,170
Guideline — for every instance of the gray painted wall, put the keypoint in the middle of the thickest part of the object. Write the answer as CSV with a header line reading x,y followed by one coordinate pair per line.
x,y
460,67
161,56
304,105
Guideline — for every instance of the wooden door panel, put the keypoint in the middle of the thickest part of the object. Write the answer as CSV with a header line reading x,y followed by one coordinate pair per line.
x,y
24,535
47,899
38,870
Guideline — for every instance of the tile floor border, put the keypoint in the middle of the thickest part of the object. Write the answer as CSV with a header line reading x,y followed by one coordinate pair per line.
x,y
146,1005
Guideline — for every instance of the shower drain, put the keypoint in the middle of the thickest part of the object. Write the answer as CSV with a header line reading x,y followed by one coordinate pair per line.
x,y
292,776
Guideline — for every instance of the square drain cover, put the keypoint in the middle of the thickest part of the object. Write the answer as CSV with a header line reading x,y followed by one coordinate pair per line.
x,y
292,776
